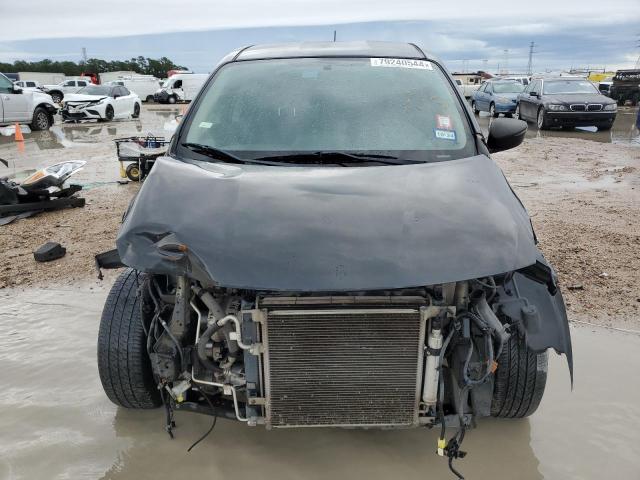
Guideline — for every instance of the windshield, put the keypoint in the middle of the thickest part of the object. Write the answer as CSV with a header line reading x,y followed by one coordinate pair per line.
x,y
508,87
552,87
165,83
401,108
95,90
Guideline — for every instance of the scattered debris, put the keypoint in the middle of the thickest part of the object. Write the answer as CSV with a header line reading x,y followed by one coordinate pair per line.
x,y
49,251
577,286
604,275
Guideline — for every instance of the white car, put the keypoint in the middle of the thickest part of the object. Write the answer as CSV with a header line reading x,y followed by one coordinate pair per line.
x,y
29,85
18,106
102,103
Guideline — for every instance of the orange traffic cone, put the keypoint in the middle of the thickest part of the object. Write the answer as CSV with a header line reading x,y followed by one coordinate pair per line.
x,y
19,137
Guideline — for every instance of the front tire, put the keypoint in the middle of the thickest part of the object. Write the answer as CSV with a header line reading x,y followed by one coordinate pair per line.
x,y
41,119
542,120
108,114
123,363
474,107
519,380
492,111
136,111
171,99
133,172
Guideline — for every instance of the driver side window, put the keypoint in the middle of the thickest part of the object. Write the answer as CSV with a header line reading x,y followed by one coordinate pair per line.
x,y
177,84
6,86
70,83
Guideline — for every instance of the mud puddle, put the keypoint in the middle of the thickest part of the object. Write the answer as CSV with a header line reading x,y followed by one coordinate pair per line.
x,y
623,130
58,424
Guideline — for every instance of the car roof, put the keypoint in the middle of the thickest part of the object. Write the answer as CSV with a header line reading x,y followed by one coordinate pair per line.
x,y
331,49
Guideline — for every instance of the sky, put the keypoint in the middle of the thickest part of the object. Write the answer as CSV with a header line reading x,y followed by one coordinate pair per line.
x,y
466,34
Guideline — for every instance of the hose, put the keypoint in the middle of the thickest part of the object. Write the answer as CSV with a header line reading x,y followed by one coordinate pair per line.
x,y
202,348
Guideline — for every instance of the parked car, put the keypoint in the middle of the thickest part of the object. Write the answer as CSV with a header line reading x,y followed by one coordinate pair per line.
x,y
14,77
180,87
496,97
59,91
326,245
626,87
143,86
102,103
565,102
523,79
25,106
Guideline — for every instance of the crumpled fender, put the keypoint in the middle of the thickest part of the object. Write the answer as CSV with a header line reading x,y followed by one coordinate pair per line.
x,y
548,326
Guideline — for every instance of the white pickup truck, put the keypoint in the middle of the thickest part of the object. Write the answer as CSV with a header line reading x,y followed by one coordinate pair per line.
x,y
25,106
58,92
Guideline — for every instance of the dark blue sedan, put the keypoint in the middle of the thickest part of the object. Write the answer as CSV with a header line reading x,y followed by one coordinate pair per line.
x,y
496,97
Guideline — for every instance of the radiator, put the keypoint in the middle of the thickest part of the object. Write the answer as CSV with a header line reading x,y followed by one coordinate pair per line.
x,y
348,367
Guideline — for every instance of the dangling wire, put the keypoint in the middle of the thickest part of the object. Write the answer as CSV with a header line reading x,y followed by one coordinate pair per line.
x,y
215,419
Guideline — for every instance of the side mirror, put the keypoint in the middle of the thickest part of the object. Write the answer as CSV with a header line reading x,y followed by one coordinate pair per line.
x,y
533,94
505,133
116,96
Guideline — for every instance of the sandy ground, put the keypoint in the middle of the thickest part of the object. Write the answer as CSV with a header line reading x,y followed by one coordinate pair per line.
x,y
583,196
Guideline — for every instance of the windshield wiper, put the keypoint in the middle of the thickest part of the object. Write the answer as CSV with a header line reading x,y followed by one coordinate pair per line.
x,y
338,155
217,154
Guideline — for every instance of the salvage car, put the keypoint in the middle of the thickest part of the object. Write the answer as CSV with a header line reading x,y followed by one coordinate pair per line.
x,y
25,106
565,102
496,97
102,103
328,243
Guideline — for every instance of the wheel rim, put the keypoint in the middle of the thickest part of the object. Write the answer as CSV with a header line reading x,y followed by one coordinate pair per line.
x,y
516,114
109,113
492,110
136,110
42,121
56,98
540,118
473,106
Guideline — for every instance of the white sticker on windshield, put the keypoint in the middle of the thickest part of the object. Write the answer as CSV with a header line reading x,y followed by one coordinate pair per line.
x,y
205,125
401,63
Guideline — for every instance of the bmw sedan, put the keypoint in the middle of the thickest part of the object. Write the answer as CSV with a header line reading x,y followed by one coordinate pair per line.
x,y
565,102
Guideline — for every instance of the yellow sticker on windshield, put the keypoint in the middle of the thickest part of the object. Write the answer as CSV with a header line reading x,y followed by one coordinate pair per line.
x,y
401,63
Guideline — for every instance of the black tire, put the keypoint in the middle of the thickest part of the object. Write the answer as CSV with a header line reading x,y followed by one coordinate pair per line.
x,y
56,97
541,120
41,119
123,363
492,111
136,111
133,172
474,108
149,98
108,114
519,380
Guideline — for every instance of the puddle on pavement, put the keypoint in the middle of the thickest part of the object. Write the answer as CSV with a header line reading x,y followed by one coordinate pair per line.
x,y
57,422
623,130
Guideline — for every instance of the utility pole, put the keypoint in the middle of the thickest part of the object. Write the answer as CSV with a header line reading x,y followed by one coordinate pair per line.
x,y
335,34
532,45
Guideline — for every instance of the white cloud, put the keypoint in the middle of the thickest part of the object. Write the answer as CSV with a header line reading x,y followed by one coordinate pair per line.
x,y
29,19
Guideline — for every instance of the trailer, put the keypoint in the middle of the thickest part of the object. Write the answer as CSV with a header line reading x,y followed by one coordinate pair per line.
x,y
44,78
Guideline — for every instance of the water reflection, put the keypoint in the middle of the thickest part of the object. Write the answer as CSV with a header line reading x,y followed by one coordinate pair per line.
x,y
623,131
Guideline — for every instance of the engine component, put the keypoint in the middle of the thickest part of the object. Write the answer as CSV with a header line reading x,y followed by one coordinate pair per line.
x,y
343,366
432,368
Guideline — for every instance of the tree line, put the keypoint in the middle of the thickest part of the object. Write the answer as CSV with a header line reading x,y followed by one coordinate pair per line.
x,y
144,65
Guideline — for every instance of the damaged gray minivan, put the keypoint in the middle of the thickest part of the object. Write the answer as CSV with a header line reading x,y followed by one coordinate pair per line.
x,y
328,244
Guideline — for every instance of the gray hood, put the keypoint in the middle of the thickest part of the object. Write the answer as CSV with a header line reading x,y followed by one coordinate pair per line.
x,y
330,229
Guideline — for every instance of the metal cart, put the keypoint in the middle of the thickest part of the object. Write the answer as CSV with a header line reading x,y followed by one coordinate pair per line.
x,y
138,154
